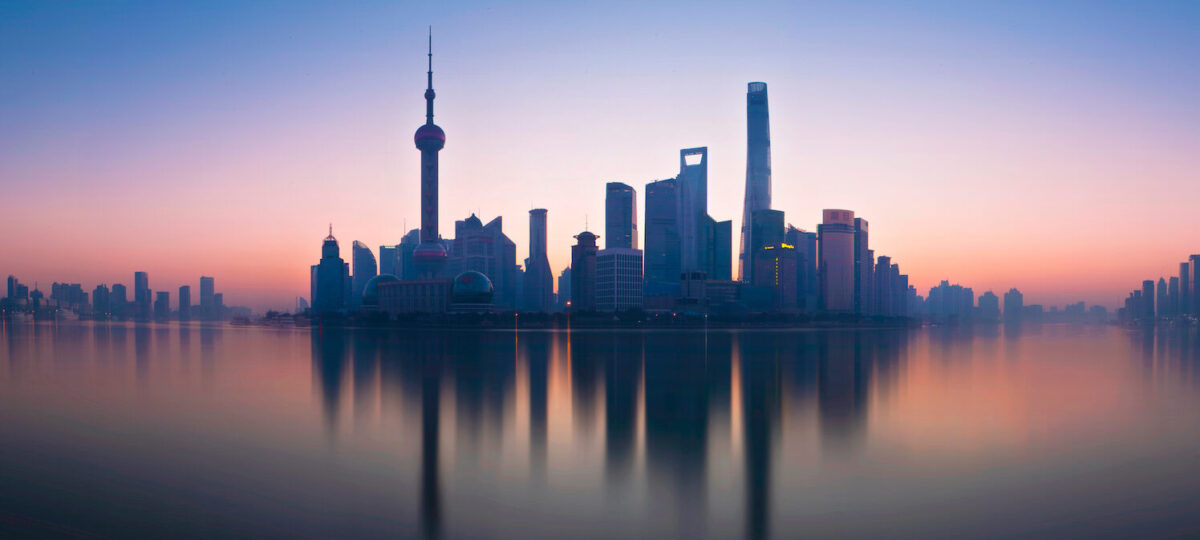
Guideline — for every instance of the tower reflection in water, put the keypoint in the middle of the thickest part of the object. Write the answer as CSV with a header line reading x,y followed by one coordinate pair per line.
x,y
647,414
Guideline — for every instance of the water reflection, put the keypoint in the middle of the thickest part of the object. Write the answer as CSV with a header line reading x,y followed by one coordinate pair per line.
x,y
659,397
756,434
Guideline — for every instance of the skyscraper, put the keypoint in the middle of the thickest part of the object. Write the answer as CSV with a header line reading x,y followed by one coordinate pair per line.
x,y
662,256
721,252
363,261
775,269
693,209
583,272
208,310
1147,313
185,303
620,216
1164,306
539,281
806,266
1173,296
864,266
430,256
1185,290
758,173
119,300
141,295
330,294
162,305
1195,291
389,260
885,301
835,235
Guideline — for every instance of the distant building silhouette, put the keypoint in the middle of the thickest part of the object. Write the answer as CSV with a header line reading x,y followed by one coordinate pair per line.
x,y
1161,300
864,268
162,305
208,304
119,300
101,302
758,174
1147,299
836,251
989,307
141,295
1014,305
185,303
1185,289
583,272
1194,264
1173,296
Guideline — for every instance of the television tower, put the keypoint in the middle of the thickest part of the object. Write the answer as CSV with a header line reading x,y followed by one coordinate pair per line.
x,y
430,255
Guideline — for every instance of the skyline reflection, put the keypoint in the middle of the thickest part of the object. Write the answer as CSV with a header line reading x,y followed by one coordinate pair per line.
x,y
339,432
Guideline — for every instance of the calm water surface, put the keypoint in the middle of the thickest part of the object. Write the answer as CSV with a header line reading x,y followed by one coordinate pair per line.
x,y
197,431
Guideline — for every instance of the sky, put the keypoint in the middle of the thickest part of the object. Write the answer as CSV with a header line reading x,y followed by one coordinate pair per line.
x,y
1048,146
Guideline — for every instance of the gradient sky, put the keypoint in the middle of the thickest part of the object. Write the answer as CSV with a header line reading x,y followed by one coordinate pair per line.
x,y
1050,146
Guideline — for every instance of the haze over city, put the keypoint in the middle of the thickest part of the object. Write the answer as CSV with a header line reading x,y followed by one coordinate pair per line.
x,y
1016,146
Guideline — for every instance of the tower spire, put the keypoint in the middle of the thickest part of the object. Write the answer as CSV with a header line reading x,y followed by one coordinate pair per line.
x,y
429,94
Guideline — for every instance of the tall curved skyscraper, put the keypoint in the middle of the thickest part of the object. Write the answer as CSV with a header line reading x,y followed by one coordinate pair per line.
x,y
758,173
430,256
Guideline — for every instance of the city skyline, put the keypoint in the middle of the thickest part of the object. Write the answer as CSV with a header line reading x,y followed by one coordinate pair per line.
x,y
987,239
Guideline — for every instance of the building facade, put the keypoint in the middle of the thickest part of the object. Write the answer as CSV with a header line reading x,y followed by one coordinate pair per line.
x,y
618,279
835,236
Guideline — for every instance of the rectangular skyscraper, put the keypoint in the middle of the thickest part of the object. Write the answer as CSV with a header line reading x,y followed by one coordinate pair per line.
x,y
758,173
662,254
721,251
836,238
141,295
185,303
207,306
620,216
864,265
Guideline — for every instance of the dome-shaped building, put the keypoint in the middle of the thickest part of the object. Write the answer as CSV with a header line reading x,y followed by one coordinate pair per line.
x,y
370,296
471,291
